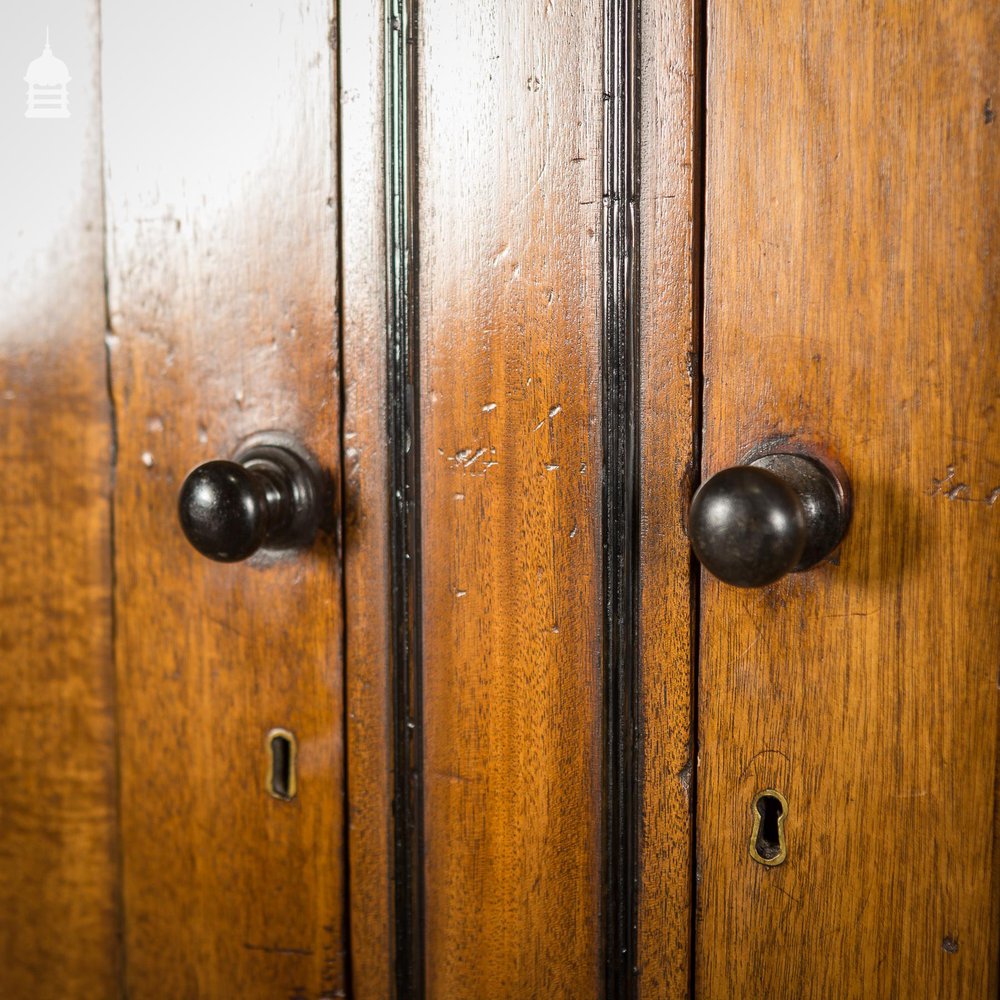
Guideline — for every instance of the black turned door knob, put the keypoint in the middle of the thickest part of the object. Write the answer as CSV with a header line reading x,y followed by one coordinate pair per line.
x,y
752,524
269,497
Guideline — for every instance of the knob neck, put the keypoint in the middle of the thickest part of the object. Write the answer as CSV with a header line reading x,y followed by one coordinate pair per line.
x,y
823,499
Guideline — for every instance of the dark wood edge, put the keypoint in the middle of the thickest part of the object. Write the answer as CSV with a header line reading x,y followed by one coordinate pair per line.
x,y
403,436
620,516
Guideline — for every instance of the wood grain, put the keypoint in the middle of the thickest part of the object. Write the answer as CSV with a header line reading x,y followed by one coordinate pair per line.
x,y
666,217
58,852
852,305
509,161
365,449
222,196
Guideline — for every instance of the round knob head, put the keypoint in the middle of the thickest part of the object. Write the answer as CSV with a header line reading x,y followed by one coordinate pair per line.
x,y
747,526
223,511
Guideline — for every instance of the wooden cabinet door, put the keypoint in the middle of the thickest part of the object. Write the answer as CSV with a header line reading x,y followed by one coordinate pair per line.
x,y
851,278
221,196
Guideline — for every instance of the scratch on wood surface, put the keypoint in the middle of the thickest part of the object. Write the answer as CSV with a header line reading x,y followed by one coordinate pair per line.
x,y
276,949
946,487
785,892
467,458
452,776
684,775
760,753
227,625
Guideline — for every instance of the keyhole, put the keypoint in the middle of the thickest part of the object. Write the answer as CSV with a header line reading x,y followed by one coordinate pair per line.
x,y
767,841
281,759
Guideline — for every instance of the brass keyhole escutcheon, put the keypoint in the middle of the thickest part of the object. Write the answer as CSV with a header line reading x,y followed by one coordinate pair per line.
x,y
767,840
282,762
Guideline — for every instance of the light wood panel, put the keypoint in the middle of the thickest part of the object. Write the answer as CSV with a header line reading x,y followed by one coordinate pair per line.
x,y
58,858
509,202
366,485
851,304
222,222
667,215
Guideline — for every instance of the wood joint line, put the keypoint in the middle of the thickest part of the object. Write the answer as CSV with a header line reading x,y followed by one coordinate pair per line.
x,y
620,405
403,435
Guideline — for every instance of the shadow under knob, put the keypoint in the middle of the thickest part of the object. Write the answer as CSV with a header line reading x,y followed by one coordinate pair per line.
x,y
751,524
269,498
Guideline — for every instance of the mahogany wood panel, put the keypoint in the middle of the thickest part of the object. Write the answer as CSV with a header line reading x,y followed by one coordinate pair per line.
x,y
366,570
509,207
853,209
58,856
668,195
222,193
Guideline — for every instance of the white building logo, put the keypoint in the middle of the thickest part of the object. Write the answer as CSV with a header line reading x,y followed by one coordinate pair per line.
x,y
47,79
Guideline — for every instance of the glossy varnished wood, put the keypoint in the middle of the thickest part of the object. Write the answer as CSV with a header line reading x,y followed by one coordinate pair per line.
x,y
667,212
58,863
222,193
365,457
509,208
851,303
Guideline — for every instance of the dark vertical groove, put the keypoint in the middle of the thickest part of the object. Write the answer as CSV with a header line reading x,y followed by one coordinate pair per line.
x,y
403,407
336,147
620,388
699,36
